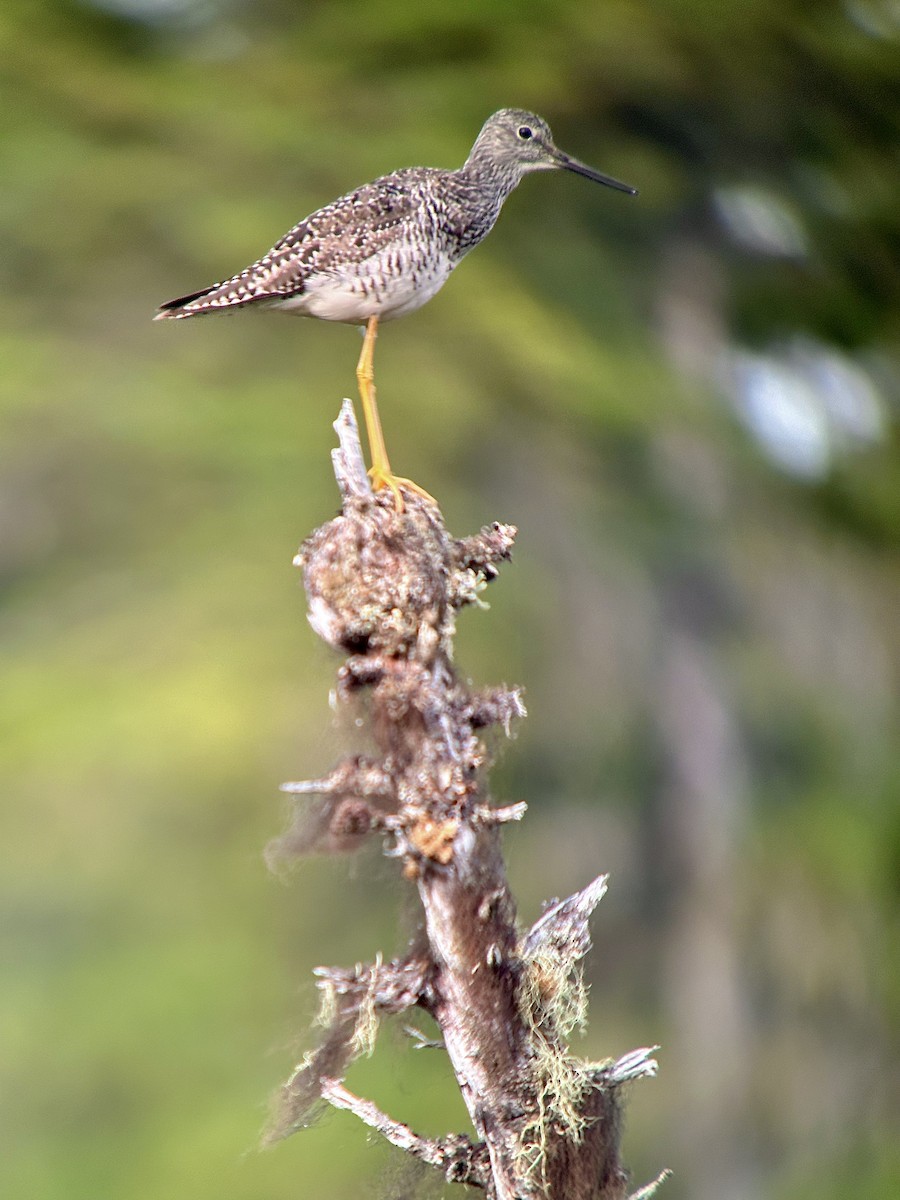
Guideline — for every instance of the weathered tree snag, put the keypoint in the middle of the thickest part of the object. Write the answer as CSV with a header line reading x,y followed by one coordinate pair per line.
x,y
384,587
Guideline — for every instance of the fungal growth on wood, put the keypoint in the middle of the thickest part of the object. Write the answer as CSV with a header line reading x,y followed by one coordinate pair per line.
x,y
384,588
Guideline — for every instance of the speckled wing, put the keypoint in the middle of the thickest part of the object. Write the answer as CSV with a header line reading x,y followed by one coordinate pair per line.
x,y
331,242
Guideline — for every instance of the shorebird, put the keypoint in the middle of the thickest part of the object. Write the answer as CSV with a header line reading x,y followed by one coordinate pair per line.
x,y
386,248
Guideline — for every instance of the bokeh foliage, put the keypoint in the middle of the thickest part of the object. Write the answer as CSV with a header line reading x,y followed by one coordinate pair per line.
x,y
687,403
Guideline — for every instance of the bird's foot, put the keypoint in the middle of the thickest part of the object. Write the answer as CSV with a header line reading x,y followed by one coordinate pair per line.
x,y
382,478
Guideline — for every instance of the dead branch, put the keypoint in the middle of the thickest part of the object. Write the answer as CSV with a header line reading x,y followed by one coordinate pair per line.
x,y
458,1158
384,588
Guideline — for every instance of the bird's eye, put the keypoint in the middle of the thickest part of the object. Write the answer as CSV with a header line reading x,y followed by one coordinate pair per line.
x,y
525,133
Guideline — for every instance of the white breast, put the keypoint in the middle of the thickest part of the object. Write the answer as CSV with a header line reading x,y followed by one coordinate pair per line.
x,y
387,285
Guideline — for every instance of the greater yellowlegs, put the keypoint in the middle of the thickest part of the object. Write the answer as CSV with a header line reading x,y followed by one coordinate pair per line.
x,y
386,248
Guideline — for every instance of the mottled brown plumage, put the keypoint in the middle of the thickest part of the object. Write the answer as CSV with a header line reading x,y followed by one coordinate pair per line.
x,y
386,248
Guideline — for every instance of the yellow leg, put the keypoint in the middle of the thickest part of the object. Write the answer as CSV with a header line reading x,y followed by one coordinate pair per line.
x,y
380,471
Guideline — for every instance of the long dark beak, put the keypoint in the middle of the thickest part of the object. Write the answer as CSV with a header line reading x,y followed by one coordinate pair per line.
x,y
572,164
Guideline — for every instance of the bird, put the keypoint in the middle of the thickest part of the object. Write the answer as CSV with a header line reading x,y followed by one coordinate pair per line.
x,y
386,248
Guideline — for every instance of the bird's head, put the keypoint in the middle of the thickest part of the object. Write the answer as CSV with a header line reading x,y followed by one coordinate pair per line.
x,y
517,142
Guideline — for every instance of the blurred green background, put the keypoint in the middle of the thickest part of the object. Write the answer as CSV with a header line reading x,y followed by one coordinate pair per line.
x,y
686,402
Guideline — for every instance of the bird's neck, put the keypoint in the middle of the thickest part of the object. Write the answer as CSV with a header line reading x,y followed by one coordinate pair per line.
x,y
485,174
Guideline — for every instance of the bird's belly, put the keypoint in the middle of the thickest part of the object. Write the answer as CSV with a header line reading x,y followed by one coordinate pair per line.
x,y
386,286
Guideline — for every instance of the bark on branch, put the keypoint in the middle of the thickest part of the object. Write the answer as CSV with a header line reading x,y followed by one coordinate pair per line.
x,y
384,588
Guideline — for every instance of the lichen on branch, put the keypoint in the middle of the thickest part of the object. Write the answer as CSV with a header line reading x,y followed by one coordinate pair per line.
x,y
384,588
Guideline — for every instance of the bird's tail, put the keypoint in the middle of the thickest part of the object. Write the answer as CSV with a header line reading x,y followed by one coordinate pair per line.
x,y
233,293
187,306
